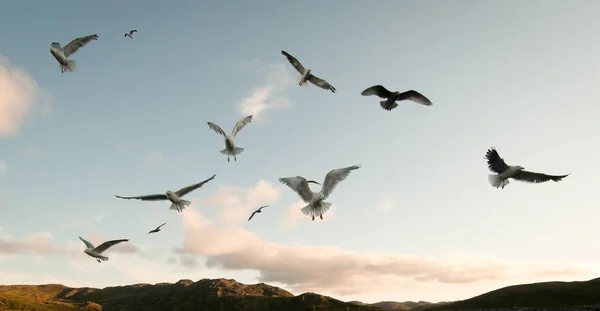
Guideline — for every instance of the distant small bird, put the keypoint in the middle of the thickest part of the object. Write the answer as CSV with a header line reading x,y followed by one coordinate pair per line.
x,y
96,252
391,97
316,204
62,53
307,75
230,148
178,204
130,34
258,211
497,165
157,229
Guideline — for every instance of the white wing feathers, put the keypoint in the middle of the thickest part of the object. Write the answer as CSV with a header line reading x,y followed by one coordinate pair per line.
x,y
216,128
300,186
78,43
87,244
240,125
334,177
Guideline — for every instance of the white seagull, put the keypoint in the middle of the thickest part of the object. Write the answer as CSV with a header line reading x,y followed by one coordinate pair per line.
x,y
307,75
497,165
316,204
62,53
178,203
258,211
96,252
130,34
391,97
157,229
230,148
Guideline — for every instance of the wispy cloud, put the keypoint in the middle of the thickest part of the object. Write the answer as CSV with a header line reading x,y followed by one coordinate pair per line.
x,y
385,205
269,95
41,243
3,166
18,98
155,157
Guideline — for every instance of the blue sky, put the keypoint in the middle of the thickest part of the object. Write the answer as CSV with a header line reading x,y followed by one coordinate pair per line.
x,y
418,220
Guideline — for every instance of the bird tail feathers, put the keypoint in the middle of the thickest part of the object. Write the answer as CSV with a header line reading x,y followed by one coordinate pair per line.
x,y
497,182
311,210
70,66
387,105
103,258
180,206
235,151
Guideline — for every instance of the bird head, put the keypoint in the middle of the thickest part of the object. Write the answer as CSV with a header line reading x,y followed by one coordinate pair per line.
x,y
55,44
312,182
521,168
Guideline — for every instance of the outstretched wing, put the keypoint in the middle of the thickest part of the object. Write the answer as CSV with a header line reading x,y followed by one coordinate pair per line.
x,y
537,178
299,185
416,97
161,225
260,208
216,128
495,163
294,62
87,244
131,32
334,177
150,197
78,43
240,125
321,83
183,191
378,90
104,246
252,215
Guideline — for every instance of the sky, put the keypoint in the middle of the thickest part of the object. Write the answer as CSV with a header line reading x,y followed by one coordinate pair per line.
x,y
417,221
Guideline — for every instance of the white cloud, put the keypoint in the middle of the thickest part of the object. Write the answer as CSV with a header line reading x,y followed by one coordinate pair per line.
x,y
154,157
41,243
3,166
335,270
18,97
385,205
270,94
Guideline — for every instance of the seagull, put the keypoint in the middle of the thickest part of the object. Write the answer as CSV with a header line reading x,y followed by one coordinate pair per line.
x,y
230,148
62,53
306,75
391,97
96,252
316,204
497,165
257,211
157,229
175,197
130,34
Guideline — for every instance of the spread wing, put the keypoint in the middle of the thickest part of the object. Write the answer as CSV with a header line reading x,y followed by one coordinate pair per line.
x,y
334,177
252,215
260,208
76,44
378,90
294,62
240,125
416,97
216,128
87,244
299,185
321,83
150,197
104,246
131,32
495,163
161,225
537,177
183,191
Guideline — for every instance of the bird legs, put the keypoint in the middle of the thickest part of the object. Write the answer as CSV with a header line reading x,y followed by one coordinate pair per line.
x,y
98,260
234,159
320,216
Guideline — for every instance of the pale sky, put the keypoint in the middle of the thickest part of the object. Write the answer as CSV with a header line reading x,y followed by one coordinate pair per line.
x,y
418,220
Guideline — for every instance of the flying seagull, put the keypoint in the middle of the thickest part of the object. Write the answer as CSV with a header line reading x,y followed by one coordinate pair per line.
x,y
258,211
62,53
307,75
96,252
391,97
175,197
230,148
316,204
497,165
157,229
130,34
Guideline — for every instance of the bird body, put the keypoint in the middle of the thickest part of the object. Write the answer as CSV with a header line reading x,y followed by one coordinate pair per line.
x,y
157,229
96,252
306,74
177,203
316,200
390,97
61,54
258,211
231,150
504,171
130,34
